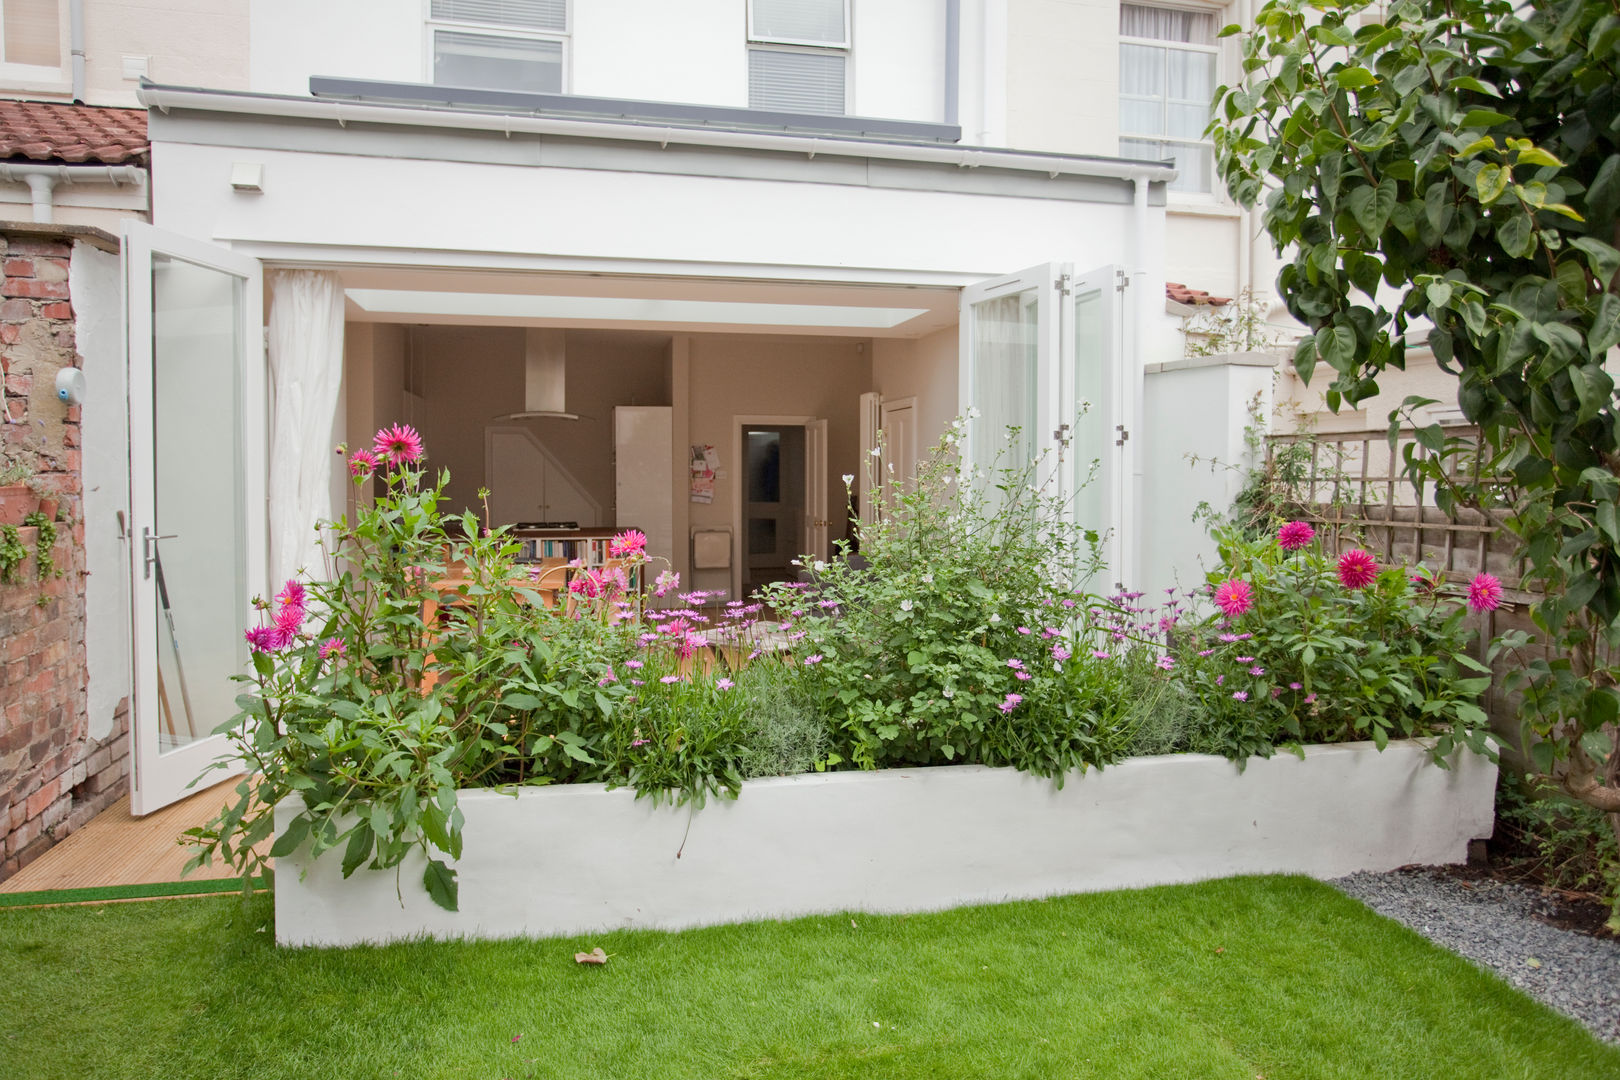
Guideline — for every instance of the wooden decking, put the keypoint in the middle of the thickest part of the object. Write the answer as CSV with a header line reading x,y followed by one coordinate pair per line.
x,y
115,848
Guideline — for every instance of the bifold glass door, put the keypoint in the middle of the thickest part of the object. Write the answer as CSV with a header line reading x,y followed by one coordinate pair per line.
x,y
1044,370
197,433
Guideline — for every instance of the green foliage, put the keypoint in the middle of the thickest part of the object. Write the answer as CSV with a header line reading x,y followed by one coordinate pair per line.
x,y
1458,165
1240,325
12,553
1569,841
1317,662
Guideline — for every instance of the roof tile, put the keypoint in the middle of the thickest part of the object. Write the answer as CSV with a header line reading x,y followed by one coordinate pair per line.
x,y
46,131
1181,294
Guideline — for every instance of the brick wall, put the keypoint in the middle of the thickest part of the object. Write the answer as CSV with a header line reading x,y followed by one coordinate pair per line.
x,y
53,776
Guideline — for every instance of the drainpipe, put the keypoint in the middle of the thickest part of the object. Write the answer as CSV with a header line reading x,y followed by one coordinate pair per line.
x,y
953,58
76,44
1138,322
42,179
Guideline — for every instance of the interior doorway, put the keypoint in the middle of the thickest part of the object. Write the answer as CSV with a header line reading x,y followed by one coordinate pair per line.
x,y
773,502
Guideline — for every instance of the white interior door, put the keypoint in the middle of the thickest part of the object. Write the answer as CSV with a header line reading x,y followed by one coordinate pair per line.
x,y
815,489
1097,401
195,322
1010,348
898,424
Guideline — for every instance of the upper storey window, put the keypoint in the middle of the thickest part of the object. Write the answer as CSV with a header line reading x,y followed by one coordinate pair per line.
x,y
798,55
1166,86
33,46
500,44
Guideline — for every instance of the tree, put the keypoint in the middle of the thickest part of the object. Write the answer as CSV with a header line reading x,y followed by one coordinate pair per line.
x,y
1455,165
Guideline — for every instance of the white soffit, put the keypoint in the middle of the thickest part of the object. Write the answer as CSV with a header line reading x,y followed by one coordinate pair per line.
x,y
409,302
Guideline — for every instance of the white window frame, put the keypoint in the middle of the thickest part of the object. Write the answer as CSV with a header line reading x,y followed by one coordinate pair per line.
x,y
498,30
1200,198
40,78
761,43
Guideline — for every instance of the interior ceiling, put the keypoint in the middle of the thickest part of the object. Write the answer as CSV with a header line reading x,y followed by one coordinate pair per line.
x,y
686,305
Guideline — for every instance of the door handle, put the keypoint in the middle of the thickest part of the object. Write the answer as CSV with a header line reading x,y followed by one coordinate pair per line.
x,y
149,548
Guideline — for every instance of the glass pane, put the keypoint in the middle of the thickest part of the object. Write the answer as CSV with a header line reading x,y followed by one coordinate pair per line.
x,y
1191,76
1090,445
486,62
201,568
1141,71
32,32
539,14
1006,356
762,536
765,467
820,21
1141,116
1167,24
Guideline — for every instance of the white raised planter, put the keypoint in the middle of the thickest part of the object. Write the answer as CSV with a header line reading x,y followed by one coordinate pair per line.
x,y
580,858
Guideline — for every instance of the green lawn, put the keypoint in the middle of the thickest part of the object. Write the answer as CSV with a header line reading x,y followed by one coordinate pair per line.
x,y
1248,977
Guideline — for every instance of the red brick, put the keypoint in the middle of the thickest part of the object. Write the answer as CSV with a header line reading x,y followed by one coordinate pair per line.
x,y
57,311
51,269
39,800
21,385
19,267
39,290
16,311
22,836
17,410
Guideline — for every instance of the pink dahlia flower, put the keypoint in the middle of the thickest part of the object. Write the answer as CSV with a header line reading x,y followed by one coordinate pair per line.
x,y
1357,569
630,542
263,638
363,463
1485,593
1234,597
1295,535
331,646
397,445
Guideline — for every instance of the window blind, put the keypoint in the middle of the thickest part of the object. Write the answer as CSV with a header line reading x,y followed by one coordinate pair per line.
x,y
487,62
1167,24
32,33
801,82
818,21
531,14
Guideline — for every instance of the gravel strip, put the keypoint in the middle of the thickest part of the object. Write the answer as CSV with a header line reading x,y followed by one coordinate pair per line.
x,y
1493,924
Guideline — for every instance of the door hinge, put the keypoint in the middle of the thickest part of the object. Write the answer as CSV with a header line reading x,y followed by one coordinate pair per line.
x,y
1062,284
1122,280
1061,435
1123,435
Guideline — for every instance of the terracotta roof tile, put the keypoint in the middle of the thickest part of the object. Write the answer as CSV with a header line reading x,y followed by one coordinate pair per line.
x,y
1175,290
42,131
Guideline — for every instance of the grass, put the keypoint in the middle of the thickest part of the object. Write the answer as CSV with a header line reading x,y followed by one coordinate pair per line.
x,y
1277,977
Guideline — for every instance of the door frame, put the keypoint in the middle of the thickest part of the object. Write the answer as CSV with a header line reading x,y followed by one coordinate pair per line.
x,y
739,421
158,779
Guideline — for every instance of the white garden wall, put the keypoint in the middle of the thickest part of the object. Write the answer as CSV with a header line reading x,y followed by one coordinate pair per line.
x,y
580,858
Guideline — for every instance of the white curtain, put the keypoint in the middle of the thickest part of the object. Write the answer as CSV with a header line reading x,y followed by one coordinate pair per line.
x,y
306,368
1006,355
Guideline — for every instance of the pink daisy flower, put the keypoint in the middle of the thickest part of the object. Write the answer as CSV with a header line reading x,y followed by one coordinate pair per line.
x,y
814,659
1357,569
1484,593
1295,535
1011,702
397,445
1234,597
1240,695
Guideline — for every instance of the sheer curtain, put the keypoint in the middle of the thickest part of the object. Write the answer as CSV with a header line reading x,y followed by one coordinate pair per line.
x,y
1006,356
306,368
1167,91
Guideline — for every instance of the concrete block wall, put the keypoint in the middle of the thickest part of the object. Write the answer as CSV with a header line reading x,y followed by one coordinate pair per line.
x,y
54,776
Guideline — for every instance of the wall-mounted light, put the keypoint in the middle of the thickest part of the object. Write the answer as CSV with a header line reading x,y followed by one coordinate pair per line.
x,y
247,176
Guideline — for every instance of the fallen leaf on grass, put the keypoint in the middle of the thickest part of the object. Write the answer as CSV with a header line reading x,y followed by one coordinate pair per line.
x,y
595,956
1531,961
1220,950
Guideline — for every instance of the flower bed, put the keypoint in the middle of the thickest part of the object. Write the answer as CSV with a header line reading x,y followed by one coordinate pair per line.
x,y
381,697
562,860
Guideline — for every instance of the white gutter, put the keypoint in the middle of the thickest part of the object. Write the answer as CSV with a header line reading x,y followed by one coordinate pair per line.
x,y
41,179
344,112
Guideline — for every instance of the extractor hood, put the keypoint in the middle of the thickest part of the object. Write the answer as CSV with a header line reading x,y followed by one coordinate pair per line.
x,y
544,377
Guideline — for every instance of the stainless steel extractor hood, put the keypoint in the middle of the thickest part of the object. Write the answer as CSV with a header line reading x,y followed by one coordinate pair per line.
x,y
544,377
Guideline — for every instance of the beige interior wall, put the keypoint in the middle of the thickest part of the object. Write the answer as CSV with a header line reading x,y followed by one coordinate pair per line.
x,y
924,368
372,393
472,374
744,375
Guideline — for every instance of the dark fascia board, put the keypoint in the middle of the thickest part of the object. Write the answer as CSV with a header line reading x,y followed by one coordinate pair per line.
x,y
625,110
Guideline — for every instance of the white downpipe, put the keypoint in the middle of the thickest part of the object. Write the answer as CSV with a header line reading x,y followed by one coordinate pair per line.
x,y
76,44
343,113
1136,372
42,180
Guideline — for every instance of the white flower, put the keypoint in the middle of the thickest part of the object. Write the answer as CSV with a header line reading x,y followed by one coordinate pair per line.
x,y
994,618
949,692
949,477
928,579
849,478
973,412
877,451
1085,406
905,605
819,566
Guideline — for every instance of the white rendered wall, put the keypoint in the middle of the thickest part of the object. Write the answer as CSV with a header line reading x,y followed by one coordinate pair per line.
x,y
899,59
579,858
653,50
399,207
95,281
290,40
1196,409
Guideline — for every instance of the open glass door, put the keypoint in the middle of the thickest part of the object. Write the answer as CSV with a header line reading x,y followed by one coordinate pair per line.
x,y
1009,373
1043,368
1097,401
197,464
